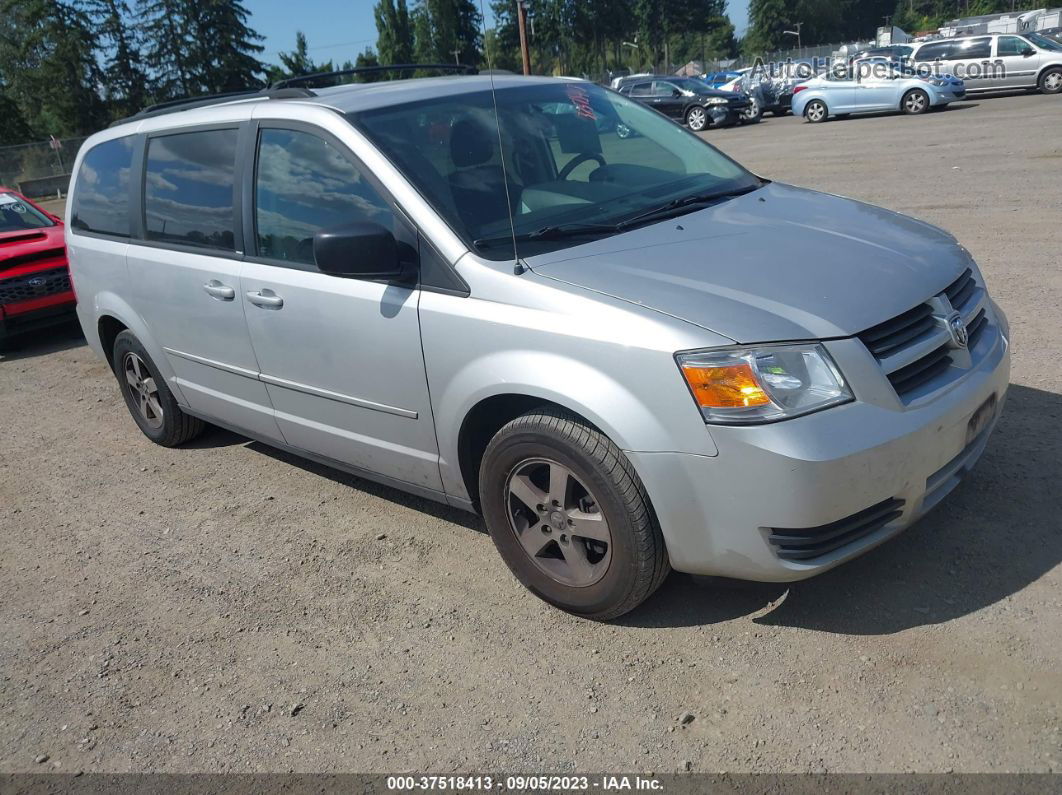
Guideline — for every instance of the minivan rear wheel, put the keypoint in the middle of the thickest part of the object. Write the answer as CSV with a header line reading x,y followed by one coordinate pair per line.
x,y
148,398
569,515
1051,80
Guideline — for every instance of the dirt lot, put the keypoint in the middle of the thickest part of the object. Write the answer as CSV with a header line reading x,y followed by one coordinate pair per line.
x,y
227,607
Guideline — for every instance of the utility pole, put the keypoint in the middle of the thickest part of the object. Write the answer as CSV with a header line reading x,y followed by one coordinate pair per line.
x,y
521,19
457,55
796,33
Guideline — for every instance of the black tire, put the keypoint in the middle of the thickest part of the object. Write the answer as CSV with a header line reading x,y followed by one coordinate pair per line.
x,y
814,116
753,114
915,102
697,119
1050,81
638,561
174,427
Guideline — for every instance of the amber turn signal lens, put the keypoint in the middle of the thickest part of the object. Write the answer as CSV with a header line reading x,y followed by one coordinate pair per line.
x,y
731,386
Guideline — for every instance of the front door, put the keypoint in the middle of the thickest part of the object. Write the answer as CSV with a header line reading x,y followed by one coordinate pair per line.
x,y
340,357
184,277
668,99
1018,60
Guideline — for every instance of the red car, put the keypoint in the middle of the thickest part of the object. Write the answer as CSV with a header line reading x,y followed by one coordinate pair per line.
x,y
35,285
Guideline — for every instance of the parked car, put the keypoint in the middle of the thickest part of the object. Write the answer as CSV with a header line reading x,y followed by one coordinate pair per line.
x,y
885,89
765,96
35,286
629,354
1054,34
689,100
997,62
719,79
890,51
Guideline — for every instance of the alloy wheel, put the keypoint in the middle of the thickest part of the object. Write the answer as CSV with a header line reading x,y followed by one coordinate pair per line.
x,y
915,102
698,119
1053,81
142,388
816,111
558,522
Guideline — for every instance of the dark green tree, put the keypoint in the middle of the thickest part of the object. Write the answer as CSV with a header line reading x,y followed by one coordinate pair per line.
x,y
768,19
226,47
124,78
395,32
49,67
169,47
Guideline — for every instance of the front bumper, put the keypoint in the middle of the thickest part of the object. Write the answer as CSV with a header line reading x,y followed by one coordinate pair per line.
x,y
820,473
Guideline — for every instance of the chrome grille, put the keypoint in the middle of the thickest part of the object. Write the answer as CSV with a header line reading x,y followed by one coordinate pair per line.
x,y
916,350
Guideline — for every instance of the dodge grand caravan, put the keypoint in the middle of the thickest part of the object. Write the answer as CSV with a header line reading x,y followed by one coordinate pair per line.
x,y
628,353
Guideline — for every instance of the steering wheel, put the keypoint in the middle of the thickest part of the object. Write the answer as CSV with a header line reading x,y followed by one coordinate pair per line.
x,y
578,160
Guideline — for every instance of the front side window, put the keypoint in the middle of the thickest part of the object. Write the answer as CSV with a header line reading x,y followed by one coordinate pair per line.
x,y
605,160
101,195
642,90
188,189
305,184
1011,45
17,214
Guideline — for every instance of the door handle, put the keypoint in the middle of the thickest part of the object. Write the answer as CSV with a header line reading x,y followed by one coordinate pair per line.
x,y
216,289
266,299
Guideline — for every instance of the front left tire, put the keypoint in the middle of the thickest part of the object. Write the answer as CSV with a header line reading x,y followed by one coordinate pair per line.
x,y
570,516
697,118
915,102
148,398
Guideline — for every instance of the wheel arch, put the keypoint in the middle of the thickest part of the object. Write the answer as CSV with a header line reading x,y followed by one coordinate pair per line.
x,y
485,419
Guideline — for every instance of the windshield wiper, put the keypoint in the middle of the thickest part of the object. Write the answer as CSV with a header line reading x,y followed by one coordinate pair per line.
x,y
681,205
549,233
678,206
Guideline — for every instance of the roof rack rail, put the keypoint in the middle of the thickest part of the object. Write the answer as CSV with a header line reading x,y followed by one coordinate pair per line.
x,y
188,103
362,70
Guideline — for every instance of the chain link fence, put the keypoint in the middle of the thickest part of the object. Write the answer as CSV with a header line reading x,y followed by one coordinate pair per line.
x,y
39,169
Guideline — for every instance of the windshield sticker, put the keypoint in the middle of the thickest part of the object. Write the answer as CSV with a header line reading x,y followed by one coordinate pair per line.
x,y
581,99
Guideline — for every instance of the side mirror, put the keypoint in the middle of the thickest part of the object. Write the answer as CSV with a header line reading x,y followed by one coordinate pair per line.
x,y
1028,52
360,250
676,93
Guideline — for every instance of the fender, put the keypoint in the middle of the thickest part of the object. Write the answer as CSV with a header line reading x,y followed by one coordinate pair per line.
x,y
575,385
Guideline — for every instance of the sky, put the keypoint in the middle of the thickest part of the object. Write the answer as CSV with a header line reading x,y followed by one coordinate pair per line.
x,y
340,29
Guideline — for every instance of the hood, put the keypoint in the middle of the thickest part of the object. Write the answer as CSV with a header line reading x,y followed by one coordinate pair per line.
x,y
780,263
16,245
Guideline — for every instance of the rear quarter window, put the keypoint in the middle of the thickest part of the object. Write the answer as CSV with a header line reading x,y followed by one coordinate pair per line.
x,y
101,191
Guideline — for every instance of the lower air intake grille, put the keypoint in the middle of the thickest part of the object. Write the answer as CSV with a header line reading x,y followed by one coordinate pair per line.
x,y
813,542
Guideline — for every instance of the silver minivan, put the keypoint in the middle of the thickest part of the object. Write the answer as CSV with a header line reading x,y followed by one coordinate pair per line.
x,y
997,62
626,351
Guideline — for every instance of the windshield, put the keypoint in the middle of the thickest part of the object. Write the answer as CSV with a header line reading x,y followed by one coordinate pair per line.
x,y
1043,42
693,86
569,153
16,214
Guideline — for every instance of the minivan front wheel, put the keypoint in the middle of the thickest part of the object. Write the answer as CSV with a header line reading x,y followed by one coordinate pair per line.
x,y
1051,81
148,398
569,515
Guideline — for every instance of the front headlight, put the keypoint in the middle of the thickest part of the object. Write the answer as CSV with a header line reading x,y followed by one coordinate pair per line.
x,y
716,101
763,383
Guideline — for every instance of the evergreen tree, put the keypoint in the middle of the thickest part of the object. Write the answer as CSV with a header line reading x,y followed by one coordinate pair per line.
x,y
124,78
768,19
225,47
49,67
167,30
395,29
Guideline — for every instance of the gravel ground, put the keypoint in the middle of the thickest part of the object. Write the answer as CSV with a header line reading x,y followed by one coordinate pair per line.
x,y
227,607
